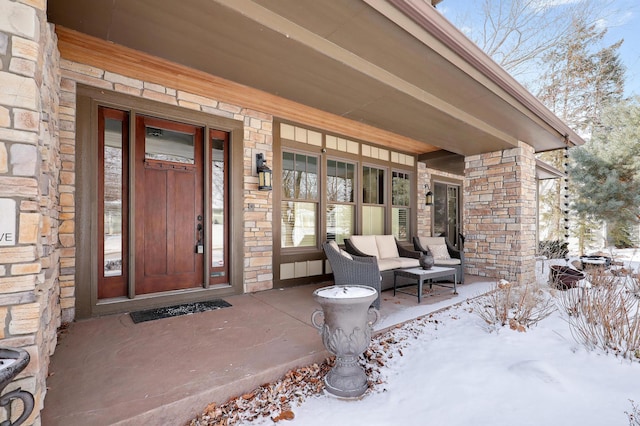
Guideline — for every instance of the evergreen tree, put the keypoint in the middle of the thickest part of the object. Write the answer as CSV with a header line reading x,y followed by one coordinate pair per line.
x,y
554,49
605,172
576,86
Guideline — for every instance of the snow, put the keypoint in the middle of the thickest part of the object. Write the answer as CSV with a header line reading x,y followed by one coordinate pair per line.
x,y
454,372
345,292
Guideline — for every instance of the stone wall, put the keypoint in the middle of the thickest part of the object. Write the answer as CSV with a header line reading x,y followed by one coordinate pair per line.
x,y
424,212
500,214
258,128
29,171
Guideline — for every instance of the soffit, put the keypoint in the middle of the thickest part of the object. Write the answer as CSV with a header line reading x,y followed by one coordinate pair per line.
x,y
339,56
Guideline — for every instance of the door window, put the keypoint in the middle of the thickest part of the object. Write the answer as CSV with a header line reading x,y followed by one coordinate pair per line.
x,y
169,145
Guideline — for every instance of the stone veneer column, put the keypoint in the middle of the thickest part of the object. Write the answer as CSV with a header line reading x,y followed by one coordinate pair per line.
x,y
500,214
29,172
424,212
258,205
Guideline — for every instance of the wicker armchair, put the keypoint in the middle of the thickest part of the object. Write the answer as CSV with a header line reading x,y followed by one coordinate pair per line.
x,y
350,270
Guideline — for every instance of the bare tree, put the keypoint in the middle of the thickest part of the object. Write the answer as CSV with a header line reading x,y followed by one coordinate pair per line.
x,y
553,47
518,33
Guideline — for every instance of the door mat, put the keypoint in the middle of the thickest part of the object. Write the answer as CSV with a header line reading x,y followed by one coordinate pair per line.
x,y
177,310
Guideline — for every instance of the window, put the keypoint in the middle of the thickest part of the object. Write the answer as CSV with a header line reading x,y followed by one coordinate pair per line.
x,y
340,200
219,206
446,211
299,209
113,197
373,201
169,145
400,200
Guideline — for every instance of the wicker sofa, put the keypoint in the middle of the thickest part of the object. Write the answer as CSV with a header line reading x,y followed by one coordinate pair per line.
x,y
448,258
389,254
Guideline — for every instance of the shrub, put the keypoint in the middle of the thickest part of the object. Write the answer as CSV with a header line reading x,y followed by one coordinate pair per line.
x,y
605,316
634,415
519,306
553,249
632,281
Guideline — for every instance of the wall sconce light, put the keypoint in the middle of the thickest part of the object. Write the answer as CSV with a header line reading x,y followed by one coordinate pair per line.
x,y
264,173
428,198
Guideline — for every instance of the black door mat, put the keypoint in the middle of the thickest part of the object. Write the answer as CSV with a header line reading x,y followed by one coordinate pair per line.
x,y
177,310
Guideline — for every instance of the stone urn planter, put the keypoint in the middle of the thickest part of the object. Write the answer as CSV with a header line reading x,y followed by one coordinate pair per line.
x,y
12,362
346,333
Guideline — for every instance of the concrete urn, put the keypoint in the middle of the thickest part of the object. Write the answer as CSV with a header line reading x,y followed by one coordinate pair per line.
x,y
12,362
346,333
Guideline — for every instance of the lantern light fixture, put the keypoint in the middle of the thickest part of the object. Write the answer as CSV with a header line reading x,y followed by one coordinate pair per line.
x,y
428,197
264,173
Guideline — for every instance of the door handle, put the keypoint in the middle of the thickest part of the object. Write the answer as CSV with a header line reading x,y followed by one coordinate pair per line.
x,y
199,245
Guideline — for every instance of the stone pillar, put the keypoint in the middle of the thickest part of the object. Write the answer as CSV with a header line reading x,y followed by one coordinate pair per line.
x,y
258,205
500,214
424,212
29,173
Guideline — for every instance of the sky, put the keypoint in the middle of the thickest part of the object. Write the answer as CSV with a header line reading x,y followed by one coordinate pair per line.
x,y
448,369
622,20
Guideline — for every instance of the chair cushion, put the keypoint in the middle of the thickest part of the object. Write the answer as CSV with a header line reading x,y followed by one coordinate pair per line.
x,y
390,263
366,244
439,251
387,246
337,248
447,262
408,262
429,241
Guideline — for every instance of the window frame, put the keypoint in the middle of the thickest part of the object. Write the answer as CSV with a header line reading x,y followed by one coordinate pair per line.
x,y
354,203
317,201
410,177
384,192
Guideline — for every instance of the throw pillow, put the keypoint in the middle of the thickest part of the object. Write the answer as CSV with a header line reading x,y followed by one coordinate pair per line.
x,y
439,251
346,254
335,245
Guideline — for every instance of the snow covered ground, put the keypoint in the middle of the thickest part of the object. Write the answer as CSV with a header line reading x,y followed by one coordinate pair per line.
x,y
452,371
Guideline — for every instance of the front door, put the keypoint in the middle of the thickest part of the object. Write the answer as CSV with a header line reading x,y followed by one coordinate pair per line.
x,y
169,215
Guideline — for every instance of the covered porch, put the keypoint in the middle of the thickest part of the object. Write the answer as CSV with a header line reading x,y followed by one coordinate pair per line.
x,y
386,89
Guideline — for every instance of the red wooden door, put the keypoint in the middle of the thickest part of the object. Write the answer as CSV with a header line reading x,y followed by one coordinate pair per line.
x,y
169,213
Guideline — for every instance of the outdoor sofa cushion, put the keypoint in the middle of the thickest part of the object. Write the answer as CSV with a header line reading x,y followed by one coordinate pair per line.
x,y
385,249
437,246
388,253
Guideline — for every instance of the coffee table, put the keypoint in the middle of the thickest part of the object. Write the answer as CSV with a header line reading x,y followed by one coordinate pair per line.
x,y
595,262
420,275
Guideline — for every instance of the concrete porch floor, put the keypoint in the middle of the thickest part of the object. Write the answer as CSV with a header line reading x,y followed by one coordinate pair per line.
x,y
110,371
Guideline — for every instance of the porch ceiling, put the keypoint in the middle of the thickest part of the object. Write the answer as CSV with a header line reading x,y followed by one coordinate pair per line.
x,y
367,61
